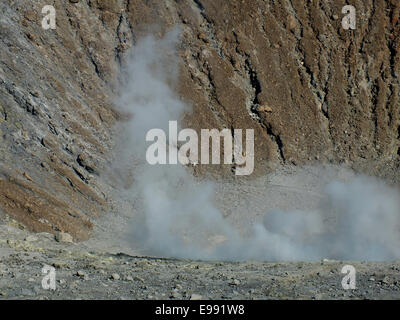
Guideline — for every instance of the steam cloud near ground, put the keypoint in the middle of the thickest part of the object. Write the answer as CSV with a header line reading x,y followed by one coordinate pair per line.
x,y
355,220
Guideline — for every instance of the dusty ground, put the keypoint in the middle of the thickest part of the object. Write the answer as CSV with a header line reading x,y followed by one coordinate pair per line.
x,y
110,266
84,272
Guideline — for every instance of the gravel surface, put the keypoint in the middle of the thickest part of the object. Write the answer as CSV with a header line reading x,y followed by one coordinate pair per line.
x,y
85,272
108,266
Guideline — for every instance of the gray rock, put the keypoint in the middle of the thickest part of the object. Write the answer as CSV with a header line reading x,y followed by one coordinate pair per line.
x,y
386,280
234,282
64,237
115,276
31,238
81,273
129,278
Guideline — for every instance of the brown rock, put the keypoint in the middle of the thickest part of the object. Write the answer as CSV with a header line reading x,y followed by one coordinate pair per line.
x,y
27,176
202,36
265,108
292,23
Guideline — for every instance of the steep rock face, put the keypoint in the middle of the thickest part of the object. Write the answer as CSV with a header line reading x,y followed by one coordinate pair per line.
x,y
311,90
55,115
330,94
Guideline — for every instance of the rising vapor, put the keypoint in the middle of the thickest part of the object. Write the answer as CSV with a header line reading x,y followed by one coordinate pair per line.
x,y
354,220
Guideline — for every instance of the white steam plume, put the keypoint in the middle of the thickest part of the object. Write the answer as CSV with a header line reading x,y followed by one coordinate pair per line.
x,y
356,220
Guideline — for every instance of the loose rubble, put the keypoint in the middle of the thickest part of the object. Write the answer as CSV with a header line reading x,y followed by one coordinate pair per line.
x,y
83,272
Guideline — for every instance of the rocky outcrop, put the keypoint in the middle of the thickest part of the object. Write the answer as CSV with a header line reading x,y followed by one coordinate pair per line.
x,y
312,91
55,115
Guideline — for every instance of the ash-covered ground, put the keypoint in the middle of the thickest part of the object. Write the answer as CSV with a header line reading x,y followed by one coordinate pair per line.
x,y
83,272
110,266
